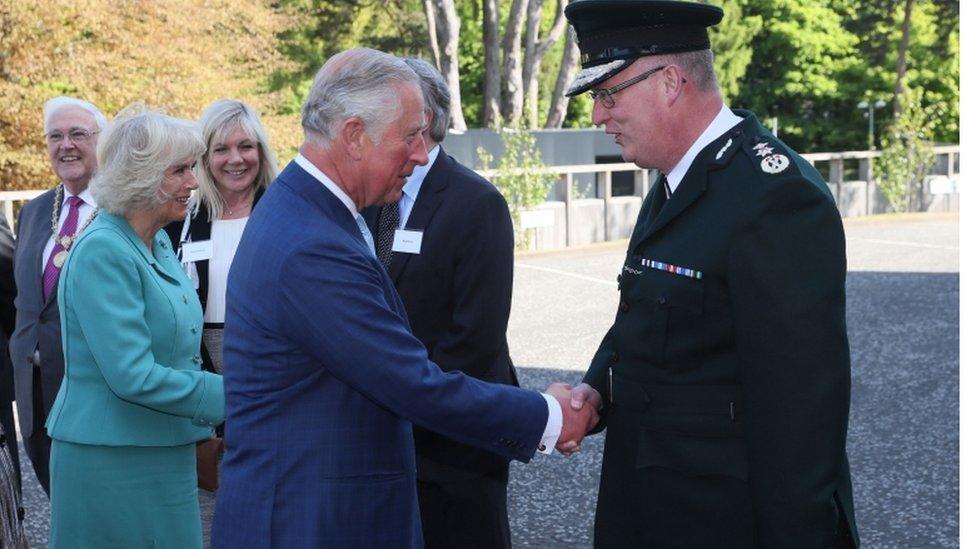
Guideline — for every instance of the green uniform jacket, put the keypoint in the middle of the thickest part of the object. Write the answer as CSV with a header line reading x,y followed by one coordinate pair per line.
x,y
726,374
131,327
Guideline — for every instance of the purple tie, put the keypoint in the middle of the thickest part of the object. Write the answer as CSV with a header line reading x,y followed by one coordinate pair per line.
x,y
51,270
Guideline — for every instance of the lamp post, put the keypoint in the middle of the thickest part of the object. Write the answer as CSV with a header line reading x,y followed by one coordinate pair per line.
x,y
870,106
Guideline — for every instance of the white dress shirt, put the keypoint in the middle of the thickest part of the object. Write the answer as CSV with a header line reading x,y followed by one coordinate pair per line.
x,y
412,188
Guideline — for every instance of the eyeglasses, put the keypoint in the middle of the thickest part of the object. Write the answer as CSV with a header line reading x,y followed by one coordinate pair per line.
x,y
605,96
76,136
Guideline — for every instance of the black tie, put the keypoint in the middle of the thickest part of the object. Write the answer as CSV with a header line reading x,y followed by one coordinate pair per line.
x,y
389,223
660,197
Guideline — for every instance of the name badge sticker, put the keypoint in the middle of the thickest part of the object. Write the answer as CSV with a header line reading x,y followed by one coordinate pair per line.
x,y
407,241
197,251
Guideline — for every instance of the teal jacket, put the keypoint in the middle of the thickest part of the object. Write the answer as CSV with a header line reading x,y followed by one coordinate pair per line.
x,y
131,328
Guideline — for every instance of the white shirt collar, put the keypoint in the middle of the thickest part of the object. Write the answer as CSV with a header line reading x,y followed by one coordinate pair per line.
x,y
416,179
85,195
723,122
313,171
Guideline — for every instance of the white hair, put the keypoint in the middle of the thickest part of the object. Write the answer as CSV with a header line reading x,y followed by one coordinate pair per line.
x,y
219,120
133,155
357,83
54,105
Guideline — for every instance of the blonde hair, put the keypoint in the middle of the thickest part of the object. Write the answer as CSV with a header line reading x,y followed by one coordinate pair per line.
x,y
134,152
217,122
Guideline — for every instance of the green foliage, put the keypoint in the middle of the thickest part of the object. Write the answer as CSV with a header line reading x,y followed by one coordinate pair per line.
x,y
520,174
732,44
323,28
813,62
798,57
907,153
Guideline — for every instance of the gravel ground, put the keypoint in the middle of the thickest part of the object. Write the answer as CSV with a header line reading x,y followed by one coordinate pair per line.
x,y
903,321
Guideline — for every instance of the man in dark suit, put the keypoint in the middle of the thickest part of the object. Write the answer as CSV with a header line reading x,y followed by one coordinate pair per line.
x,y
8,290
725,378
71,129
324,379
456,287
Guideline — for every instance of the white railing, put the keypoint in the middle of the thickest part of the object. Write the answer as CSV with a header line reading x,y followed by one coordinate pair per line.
x,y
575,211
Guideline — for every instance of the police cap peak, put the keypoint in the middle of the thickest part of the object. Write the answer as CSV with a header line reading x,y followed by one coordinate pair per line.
x,y
612,34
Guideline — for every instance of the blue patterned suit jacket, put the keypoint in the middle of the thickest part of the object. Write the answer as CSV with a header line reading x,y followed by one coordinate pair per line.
x,y
323,380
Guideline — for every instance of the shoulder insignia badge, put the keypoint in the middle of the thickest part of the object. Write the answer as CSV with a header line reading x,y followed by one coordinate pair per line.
x,y
775,163
723,149
763,149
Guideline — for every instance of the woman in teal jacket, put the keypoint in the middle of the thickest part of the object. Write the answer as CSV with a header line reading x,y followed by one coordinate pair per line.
x,y
134,400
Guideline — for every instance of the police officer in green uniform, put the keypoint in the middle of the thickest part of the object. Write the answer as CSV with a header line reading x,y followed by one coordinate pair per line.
x,y
724,382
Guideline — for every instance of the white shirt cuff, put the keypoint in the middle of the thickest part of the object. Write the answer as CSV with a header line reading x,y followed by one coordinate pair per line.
x,y
554,425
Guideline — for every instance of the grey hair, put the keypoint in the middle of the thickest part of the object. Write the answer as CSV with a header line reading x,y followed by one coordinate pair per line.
x,y
133,155
357,83
436,96
699,65
217,122
56,104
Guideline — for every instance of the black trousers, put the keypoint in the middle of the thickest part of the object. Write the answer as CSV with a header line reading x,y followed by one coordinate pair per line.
x,y
38,444
470,513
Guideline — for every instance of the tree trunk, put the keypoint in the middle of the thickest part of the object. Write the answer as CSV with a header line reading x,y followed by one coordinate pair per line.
x,y
902,65
512,70
490,113
448,30
435,48
535,49
560,103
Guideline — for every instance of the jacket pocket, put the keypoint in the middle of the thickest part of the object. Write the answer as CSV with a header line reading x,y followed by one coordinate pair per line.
x,y
697,445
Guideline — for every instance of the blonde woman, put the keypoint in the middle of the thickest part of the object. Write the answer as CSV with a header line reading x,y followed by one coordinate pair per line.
x,y
236,167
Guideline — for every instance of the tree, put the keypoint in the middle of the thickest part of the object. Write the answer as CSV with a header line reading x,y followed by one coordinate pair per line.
x,y
179,55
732,45
447,30
559,104
901,65
535,48
907,154
491,110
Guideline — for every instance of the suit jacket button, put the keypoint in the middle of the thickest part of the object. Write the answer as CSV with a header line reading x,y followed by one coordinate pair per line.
x,y
662,300
614,357
624,306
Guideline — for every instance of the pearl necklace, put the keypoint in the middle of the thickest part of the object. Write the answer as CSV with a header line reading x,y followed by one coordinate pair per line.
x,y
65,240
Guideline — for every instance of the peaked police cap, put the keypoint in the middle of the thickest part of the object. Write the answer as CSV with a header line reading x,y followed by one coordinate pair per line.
x,y
612,34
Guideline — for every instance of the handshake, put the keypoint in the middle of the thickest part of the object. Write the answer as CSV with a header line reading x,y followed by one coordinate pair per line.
x,y
580,406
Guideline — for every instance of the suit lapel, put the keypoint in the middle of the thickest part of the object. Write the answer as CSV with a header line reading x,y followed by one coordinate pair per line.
x,y
692,187
428,200
306,186
43,231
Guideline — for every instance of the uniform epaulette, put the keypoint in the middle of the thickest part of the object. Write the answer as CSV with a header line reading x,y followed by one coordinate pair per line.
x,y
769,154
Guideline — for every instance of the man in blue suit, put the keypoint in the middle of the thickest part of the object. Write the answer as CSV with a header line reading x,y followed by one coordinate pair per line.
x,y
322,374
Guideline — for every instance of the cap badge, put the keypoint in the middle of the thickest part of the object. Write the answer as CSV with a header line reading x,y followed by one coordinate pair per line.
x,y
775,163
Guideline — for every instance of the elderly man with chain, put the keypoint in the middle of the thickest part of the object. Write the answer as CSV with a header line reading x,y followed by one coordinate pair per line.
x,y
46,230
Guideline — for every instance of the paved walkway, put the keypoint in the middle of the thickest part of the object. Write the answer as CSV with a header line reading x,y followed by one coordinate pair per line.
x,y
903,320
